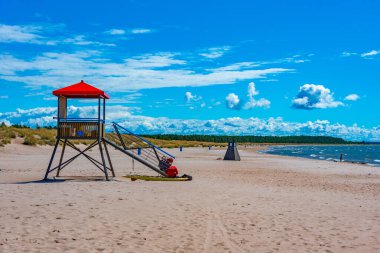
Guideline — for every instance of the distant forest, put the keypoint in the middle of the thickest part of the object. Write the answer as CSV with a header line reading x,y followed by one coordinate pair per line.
x,y
253,139
301,139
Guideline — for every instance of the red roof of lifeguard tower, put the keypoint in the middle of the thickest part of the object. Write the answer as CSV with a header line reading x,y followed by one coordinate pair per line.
x,y
81,90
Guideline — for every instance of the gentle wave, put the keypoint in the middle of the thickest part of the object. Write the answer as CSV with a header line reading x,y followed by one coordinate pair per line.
x,y
364,154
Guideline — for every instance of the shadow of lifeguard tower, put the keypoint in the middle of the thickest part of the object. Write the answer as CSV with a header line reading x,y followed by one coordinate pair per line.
x,y
69,129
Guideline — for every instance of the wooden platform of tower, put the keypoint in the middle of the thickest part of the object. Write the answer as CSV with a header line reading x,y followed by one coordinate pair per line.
x,y
69,129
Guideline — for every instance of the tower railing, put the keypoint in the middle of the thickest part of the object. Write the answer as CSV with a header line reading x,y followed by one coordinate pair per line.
x,y
80,128
138,147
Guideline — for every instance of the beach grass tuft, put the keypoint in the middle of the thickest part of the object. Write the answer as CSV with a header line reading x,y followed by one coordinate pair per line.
x,y
47,136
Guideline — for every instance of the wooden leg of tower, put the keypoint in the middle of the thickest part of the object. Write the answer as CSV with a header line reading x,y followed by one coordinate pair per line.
x,y
60,159
51,159
103,160
109,158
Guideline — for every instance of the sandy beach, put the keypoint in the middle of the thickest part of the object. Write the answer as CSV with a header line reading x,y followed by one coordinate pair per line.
x,y
264,203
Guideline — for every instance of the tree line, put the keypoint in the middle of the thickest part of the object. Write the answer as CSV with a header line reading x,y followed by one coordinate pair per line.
x,y
295,139
301,139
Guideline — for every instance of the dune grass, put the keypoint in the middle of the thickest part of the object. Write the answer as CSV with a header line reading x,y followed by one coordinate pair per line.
x,y
44,136
32,137
182,143
6,134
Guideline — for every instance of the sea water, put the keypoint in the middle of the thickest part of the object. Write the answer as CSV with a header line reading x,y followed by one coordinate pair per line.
x,y
369,154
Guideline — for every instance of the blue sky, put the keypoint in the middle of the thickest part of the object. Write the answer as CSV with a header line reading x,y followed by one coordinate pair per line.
x,y
215,67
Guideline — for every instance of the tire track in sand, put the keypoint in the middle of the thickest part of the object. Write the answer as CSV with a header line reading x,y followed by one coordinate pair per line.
x,y
216,230
223,231
209,232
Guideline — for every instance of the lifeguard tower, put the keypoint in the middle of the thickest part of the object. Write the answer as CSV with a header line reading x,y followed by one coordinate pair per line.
x,y
93,129
69,129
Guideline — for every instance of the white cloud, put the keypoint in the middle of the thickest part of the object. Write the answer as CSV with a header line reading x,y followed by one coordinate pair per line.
x,y
311,96
293,59
203,105
20,33
131,98
116,32
35,34
352,97
370,53
252,102
19,113
32,34
233,101
215,52
237,66
348,54
6,122
252,90
190,97
262,102
141,31
4,97
40,121
82,41
129,31
44,115
269,80
228,126
11,65
249,65
139,72
148,61
253,126
365,55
